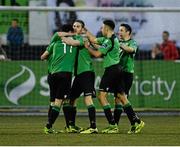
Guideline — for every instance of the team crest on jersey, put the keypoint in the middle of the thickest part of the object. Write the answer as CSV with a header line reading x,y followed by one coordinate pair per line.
x,y
104,46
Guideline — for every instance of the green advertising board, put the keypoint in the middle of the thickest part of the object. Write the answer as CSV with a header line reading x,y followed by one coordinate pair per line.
x,y
7,16
155,85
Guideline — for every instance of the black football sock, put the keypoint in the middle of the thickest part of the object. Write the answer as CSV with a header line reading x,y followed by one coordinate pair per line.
x,y
108,114
117,113
49,110
73,112
53,116
66,111
49,113
131,114
92,116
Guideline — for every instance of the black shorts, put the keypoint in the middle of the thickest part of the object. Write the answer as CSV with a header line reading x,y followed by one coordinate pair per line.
x,y
83,83
110,81
115,80
127,81
60,85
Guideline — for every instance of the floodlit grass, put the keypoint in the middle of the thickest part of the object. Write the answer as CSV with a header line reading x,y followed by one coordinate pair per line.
x,y
27,130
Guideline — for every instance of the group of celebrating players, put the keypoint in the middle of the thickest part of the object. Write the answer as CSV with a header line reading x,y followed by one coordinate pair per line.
x,y
70,53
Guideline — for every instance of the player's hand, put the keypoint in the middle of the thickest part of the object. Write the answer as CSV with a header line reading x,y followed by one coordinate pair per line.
x,y
87,44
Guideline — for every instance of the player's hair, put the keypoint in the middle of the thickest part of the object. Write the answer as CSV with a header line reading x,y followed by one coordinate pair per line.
x,y
166,32
15,19
66,28
109,23
81,22
127,27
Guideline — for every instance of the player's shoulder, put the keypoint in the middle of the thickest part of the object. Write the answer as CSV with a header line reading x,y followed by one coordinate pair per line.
x,y
133,41
107,40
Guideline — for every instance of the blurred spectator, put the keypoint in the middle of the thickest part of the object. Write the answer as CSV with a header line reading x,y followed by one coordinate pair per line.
x,y
156,52
3,55
15,39
168,47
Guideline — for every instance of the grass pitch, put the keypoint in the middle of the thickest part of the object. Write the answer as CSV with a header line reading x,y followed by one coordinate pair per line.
x,y
21,130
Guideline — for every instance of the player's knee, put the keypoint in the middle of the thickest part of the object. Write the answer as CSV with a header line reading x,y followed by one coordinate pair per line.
x,y
117,100
122,98
58,102
88,100
100,97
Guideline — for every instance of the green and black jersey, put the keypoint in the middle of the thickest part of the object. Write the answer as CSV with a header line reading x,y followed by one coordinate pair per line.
x,y
127,59
84,60
61,56
110,50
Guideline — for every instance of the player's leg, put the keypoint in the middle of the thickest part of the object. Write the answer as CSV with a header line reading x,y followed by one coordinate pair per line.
x,y
136,123
112,128
86,81
66,111
73,128
106,85
61,83
127,79
118,109
52,116
69,108
48,127
92,116
91,111
52,99
73,112
106,107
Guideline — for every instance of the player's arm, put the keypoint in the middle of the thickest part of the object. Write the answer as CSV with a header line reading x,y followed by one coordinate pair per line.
x,y
93,52
65,34
45,55
95,45
127,48
130,49
71,41
48,51
90,36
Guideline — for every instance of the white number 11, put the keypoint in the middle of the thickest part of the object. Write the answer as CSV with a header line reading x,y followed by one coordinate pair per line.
x,y
65,48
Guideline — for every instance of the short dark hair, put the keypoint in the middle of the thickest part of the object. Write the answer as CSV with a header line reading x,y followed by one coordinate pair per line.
x,y
66,28
109,23
166,32
81,22
127,27
15,19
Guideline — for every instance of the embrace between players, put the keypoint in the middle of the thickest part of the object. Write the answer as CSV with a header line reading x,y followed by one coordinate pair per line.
x,y
68,53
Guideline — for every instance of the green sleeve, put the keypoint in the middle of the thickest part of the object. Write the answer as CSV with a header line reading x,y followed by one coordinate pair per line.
x,y
80,39
100,40
105,46
55,37
50,48
133,45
